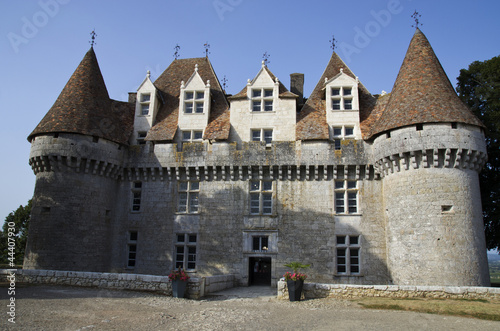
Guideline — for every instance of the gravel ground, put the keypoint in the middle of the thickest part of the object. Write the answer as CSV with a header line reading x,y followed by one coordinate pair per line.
x,y
72,308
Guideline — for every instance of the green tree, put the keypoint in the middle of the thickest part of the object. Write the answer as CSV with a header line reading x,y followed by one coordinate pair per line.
x,y
479,87
19,221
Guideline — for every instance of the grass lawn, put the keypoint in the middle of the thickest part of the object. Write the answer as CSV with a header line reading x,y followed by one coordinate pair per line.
x,y
479,308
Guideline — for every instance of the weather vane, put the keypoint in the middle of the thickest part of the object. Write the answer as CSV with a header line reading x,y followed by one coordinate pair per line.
x,y
207,46
416,16
265,58
333,43
224,83
176,53
92,36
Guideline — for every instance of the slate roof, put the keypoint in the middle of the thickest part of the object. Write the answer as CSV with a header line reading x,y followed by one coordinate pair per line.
x,y
422,93
84,107
311,120
169,84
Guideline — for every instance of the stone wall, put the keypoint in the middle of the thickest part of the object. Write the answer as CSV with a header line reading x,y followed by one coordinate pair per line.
x,y
342,291
197,287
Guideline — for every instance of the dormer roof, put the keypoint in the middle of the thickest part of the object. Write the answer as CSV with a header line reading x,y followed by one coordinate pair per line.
x,y
422,92
169,83
84,107
282,90
311,120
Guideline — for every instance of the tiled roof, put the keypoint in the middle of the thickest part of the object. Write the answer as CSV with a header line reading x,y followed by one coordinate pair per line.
x,y
311,120
422,92
169,84
84,107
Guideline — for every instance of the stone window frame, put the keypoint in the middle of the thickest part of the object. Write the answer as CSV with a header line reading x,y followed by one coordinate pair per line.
x,y
346,196
262,100
192,135
348,255
132,238
136,203
262,132
343,100
188,197
145,102
337,136
186,251
194,101
261,197
141,136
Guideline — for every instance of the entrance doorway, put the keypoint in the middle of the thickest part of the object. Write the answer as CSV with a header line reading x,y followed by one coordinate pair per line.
x,y
259,271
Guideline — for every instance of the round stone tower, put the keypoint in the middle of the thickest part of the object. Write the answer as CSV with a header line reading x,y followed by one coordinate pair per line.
x,y
77,157
428,149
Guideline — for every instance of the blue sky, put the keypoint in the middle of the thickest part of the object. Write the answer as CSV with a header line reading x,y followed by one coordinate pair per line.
x,y
43,41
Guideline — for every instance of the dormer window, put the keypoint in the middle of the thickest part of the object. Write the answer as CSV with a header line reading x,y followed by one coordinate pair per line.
x,y
262,99
341,98
145,100
193,102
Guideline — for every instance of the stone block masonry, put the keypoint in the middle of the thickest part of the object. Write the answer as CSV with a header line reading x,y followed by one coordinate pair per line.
x,y
343,291
197,287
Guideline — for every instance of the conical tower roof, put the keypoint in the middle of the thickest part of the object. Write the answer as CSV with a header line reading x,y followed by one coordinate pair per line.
x,y
84,107
422,92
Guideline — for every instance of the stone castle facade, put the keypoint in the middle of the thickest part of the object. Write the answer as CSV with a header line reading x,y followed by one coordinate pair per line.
x,y
368,189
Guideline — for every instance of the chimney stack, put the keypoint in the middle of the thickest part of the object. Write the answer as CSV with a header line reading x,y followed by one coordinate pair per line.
x,y
297,87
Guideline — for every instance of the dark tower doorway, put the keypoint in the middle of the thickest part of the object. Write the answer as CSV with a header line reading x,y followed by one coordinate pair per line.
x,y
259,271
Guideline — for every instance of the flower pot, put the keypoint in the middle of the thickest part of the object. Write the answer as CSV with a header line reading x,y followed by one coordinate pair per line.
x,y
294,289
179,288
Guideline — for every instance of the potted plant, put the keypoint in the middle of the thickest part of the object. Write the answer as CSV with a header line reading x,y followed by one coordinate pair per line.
x,y
295,280
179,279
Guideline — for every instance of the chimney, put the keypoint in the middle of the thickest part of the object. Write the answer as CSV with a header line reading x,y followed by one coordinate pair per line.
x,y
297,87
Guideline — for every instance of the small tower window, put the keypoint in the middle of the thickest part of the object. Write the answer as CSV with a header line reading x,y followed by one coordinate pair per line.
x,y
145,101
193,102
262,99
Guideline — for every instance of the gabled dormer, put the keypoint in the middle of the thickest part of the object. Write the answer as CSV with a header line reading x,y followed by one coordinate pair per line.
x,y
342,107
263,91
342,93
194,107
146,107
264,111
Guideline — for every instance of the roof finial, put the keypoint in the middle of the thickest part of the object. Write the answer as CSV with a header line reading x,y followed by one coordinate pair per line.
x,y
416,16
196,67
92,36
333,43
176,53
224,83
207,46
265,59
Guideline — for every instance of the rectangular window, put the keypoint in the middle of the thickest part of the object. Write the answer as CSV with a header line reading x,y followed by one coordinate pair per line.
x,y
136,196
145,100
192,135
346,191
261,197
340,133
141,136
185,251
188,197
263,135
260,243
348,255
193,102
131,249
341,98
262,99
